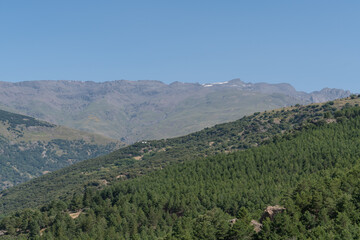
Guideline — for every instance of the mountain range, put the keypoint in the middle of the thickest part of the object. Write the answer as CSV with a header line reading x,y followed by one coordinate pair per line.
x,y
136,110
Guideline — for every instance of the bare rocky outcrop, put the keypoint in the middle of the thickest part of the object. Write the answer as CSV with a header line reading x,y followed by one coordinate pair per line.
x,y
233,221
270,212
74,215
257,225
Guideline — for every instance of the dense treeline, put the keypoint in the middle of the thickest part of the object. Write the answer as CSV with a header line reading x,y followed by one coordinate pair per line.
x,y
326,207
14,120
147,156
197,199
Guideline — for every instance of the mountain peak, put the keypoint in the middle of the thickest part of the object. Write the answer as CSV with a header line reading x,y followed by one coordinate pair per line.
x,y
328,94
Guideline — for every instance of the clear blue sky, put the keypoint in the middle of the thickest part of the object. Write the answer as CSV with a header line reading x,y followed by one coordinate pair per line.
x,y
310,44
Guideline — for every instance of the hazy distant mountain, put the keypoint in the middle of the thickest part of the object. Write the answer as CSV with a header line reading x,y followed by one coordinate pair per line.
x,y
326,94
135,110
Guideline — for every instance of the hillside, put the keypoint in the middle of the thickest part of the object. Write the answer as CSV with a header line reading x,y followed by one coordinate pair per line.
x,y
147,156
312,170
321,207
30,148
137,110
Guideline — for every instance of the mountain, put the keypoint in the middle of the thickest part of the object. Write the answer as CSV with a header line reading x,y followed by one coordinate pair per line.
x,y
136,110
144,157
30,148
310,167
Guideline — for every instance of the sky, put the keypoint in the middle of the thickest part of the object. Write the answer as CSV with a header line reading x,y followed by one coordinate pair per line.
x,y
310,44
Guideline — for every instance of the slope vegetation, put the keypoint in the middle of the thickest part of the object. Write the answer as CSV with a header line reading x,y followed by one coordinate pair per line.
x,y
197,199
30,148
147,156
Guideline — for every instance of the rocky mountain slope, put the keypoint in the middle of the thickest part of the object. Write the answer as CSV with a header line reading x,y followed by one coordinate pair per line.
x,y
136,110
30,148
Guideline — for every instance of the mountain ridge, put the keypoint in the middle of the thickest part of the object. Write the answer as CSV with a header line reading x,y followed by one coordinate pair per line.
x,y
148,109
325,94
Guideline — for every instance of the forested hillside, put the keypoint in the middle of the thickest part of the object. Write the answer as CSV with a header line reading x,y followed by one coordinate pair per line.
x,y
312,171
322,207
147,156
30,148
